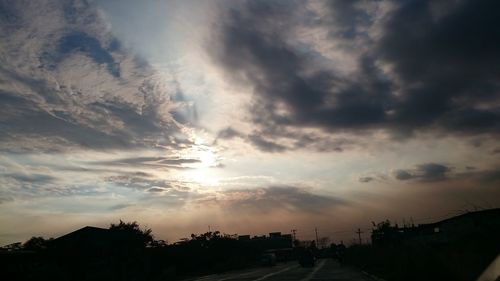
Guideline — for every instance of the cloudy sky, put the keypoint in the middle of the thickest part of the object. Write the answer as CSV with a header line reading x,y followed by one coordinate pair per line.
x,y
248,116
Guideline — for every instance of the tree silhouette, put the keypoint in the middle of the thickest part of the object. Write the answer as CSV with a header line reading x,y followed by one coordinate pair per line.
x,y
130,234
36,244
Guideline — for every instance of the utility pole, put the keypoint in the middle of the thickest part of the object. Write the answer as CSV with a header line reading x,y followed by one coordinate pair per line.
x,y
316,230
209,228
359,235
293,234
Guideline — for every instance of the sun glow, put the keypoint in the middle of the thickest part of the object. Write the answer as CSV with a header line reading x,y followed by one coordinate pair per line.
x,y
204,171
207,159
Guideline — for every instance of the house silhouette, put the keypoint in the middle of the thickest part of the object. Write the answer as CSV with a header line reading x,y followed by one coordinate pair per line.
x,y
88,242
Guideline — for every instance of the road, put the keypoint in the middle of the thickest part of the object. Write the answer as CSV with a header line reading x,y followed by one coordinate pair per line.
x,y
325,270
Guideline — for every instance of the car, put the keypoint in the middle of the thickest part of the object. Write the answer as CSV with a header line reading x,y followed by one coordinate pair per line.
x,y
268,259
307,259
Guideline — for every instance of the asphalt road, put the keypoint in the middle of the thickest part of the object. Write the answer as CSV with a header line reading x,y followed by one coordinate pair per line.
x,y
325,270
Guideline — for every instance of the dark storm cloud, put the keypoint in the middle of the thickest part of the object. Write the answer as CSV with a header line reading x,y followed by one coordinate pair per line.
x,y
265,145
253,47
403,175
268,140
347,17
321,143
444,59
448,59
366,179
166,162
31,178
433,171
280,197
424,172
228,133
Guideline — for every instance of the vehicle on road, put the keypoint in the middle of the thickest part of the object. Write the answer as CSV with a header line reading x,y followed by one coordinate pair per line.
x,y
268,259
307,259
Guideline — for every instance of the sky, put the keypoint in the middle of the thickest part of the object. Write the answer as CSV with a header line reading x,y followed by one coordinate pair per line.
x,y
246,116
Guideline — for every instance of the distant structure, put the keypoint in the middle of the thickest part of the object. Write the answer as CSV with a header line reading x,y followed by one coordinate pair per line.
x,y
279,244
449,230
244,237
274,235
90,242
275,240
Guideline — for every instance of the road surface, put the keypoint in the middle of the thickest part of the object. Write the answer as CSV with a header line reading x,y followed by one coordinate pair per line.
x,y
325,270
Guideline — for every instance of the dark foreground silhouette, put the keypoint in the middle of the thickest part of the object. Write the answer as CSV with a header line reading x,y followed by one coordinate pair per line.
x,y
458,248
126,252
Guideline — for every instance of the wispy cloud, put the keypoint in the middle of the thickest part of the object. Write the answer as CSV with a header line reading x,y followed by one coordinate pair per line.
x,y
74,85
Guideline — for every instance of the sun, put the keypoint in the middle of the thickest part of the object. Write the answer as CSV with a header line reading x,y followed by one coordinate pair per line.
x,y
202,172
207,159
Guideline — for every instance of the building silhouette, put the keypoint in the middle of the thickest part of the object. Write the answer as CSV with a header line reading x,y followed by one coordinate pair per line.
x,y
471,225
